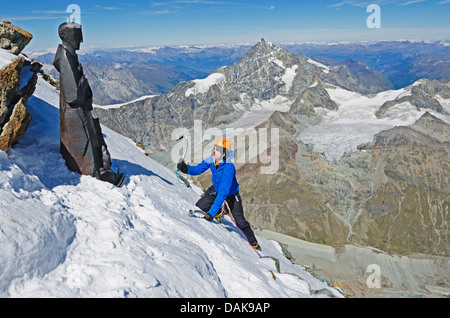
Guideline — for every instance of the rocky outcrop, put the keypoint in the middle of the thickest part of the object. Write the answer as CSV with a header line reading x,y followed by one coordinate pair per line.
x,y
409,202
13,38
315,96
17,83
357,77
423,94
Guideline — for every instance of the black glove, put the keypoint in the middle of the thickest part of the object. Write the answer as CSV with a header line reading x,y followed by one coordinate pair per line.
x,y
182,166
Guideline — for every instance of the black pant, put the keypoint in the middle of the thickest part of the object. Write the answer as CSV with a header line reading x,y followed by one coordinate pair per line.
x,y
235,203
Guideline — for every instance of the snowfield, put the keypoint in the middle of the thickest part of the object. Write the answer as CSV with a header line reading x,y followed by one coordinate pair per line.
x,y
203,85
354,122
67,235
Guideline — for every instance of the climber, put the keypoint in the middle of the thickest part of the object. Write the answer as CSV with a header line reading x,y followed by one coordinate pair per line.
x,y
224,187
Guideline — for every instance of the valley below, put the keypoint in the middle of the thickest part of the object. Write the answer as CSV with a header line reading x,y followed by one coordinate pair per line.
x,y
367,272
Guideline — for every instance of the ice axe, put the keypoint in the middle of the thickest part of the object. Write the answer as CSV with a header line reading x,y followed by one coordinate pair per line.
x,y
186,148
182,159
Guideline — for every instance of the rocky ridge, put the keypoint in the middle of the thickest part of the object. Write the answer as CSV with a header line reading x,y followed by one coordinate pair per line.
x,y
357,77
422,94
161,68
17,83
408,205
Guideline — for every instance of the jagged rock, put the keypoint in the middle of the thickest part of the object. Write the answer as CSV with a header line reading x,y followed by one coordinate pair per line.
x,y
428,130
17,84
51,80
433,127
13,38
16,127
357,77
423,94
9,80
317,96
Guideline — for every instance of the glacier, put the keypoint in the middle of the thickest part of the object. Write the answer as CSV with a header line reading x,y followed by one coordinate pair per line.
x,y
354,122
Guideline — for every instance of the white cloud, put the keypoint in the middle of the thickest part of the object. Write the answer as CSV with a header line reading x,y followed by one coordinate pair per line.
x,y
228,4
364,4
170,3
25,18
411,2
159,12
50,12
108,8
340,4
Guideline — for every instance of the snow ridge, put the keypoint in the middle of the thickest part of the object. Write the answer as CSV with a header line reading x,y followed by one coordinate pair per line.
x,y
203,85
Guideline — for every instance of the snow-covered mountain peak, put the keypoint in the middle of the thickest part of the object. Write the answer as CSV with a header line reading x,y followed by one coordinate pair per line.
x,y
266,45
266,52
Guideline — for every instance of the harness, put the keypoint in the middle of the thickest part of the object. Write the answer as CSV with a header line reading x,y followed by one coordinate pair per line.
x,y
236,195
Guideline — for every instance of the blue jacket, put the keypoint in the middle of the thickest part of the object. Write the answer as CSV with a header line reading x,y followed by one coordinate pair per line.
x,y
223,179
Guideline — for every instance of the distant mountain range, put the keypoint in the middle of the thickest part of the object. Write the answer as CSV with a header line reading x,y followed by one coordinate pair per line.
x,y
403,62
267,76
121,75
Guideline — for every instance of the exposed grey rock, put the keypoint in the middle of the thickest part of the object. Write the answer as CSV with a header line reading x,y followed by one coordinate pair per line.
x,y
423,94
357,77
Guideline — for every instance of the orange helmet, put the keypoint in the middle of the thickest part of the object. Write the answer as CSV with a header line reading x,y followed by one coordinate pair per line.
x,y
224,143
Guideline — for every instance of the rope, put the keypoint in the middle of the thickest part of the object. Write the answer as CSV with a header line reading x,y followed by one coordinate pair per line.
x,y
178,177
234,222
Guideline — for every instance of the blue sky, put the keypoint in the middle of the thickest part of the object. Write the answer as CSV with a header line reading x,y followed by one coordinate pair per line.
x,y
120,23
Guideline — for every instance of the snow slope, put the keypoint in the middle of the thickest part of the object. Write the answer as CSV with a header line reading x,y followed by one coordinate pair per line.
x,y
66,235
5,57
203,85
